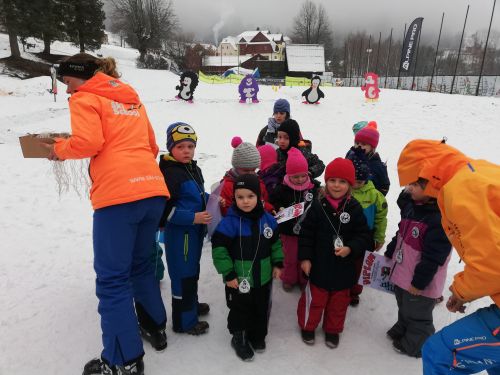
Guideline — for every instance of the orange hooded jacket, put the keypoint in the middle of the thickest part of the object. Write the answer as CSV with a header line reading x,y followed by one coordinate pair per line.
x,y
109,124
468,193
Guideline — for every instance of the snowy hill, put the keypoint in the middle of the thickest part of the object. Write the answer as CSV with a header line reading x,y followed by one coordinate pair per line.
x,y
48,315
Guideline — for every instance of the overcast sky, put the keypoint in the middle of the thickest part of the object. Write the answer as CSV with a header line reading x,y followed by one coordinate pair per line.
x,y
234,16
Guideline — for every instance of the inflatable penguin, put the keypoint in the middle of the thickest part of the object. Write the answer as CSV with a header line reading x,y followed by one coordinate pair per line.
x,y
248,89
313,94
188,83
371,87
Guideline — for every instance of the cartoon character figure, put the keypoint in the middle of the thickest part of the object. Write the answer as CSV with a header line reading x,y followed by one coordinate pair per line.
x,y
371,87
248,89
188,83
313,94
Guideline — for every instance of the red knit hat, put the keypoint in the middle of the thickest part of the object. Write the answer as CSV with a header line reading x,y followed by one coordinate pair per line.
x,y
296,163
368,135
268,156
341,168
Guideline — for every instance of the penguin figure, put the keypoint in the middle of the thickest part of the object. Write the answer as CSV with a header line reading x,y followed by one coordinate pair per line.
x,y
313,94
188,83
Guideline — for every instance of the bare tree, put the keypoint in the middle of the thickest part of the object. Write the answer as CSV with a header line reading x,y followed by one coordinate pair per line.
x,y
147,24
312,26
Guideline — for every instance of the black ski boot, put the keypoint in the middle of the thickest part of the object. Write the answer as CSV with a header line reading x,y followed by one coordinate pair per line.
x,y
97,366
157,338
203,308
241,346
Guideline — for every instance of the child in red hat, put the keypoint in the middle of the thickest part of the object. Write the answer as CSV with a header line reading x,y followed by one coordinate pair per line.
x,y
333,235
367,139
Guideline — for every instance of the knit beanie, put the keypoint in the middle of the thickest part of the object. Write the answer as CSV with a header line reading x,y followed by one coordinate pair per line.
x,y
179,132
296,163
340,168
368,135
291,127
358,126
247,181
268,156
360,162
245,154
281,105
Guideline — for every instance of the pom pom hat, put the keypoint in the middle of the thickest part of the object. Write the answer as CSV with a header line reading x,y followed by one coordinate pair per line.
x,y
368,135
245,154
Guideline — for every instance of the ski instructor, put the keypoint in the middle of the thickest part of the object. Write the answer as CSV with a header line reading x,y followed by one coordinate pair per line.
x,y
110,126
468,194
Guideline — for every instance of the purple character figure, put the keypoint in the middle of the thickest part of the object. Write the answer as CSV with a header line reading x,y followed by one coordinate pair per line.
x,y
248,89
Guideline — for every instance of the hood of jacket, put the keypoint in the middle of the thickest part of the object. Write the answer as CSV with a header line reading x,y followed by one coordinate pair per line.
x,y
110,88
434,161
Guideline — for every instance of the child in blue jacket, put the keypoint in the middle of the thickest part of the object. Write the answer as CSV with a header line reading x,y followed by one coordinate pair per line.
x,y
184,221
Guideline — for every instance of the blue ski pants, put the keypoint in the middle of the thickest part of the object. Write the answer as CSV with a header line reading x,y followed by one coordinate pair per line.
x,y
123,237
468,346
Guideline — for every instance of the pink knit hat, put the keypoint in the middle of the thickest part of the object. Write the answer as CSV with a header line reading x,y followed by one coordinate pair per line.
x,y
296,163
268,156
368,135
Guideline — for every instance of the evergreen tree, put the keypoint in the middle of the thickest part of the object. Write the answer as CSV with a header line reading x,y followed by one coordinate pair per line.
x,y
85,23
13,18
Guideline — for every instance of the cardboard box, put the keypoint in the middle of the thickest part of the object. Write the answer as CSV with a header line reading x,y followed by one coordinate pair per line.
x,y
31,144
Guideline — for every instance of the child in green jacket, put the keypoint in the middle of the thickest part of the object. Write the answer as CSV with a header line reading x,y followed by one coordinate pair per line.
x,y
246,251
375,209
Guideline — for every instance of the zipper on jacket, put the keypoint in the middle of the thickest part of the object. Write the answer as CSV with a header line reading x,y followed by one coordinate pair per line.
x,y
186,246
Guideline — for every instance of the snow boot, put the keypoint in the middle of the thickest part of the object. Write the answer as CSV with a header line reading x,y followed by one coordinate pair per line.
x,y
308,337
97,366
199,328
394,334
354,301
332,340
203,309
241,346
258,346
157,339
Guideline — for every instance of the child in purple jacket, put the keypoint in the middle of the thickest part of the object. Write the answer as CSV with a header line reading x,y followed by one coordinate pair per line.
x,y
421,252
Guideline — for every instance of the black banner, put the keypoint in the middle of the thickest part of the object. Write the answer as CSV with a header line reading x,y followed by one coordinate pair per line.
x,y
410,44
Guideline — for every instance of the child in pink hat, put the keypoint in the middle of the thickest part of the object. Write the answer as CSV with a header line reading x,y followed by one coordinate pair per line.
x,y
297,187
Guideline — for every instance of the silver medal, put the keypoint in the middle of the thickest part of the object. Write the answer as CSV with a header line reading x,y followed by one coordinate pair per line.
x,y
268,232
399,256
244,286
345,217
296,229
338,243
309,197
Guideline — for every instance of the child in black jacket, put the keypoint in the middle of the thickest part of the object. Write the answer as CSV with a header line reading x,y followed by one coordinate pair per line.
x,y
333,235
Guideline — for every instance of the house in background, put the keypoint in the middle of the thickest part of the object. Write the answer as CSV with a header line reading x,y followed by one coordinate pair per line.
x,y
305,60
252,49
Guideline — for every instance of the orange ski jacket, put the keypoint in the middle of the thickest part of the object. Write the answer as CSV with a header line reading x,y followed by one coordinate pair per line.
x,y
109,124
468,193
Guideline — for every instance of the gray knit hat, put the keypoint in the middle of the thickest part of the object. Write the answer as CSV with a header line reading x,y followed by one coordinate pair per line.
x,y
245,154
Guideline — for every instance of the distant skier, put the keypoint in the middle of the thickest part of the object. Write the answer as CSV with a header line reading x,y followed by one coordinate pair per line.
x,y
313,94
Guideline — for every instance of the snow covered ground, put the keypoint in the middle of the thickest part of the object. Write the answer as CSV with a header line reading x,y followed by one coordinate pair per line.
x,y
48,318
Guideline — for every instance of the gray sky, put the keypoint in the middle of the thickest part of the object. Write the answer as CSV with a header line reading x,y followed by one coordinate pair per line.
x,y
234,16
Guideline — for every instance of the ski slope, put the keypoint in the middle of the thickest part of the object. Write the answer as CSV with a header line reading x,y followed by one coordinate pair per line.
x,y
48,311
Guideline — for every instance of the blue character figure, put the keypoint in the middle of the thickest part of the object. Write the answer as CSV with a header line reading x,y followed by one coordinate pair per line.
x,y
248,89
